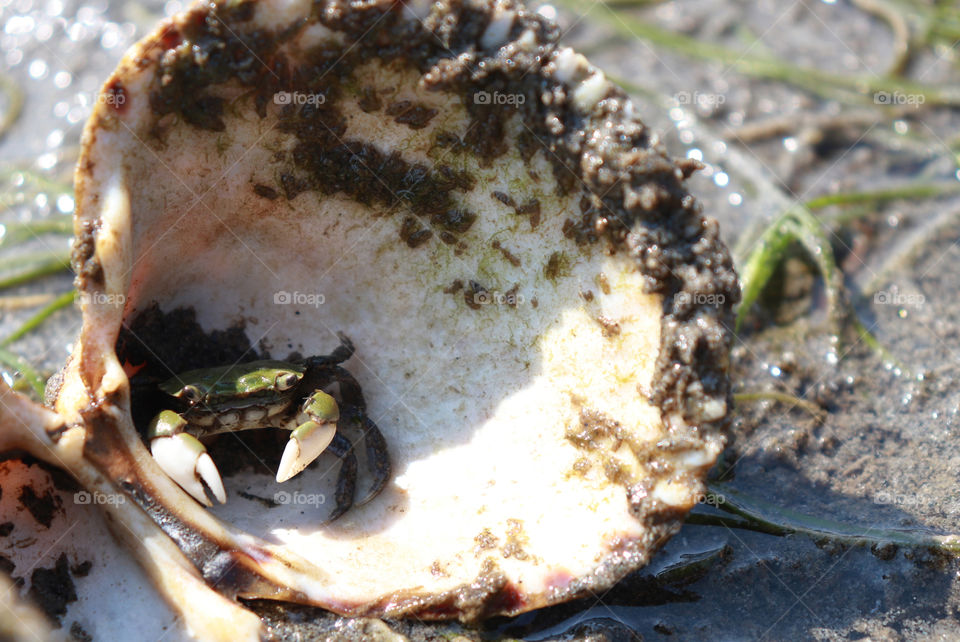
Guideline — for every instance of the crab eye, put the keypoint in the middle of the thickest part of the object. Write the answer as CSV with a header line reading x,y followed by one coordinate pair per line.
x,y
287,381
191,393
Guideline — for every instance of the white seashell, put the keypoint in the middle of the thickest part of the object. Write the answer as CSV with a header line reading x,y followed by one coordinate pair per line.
x,y
471,237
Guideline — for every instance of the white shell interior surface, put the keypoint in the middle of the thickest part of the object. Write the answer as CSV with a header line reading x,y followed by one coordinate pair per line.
x,y
481,358
87,564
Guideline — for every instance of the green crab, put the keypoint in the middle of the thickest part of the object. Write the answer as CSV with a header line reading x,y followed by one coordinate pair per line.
x,y
263,394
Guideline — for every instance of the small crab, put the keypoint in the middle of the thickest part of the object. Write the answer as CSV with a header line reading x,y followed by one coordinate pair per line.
x,y
263,394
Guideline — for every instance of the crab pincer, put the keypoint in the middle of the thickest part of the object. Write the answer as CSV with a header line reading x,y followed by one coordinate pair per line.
x,y
184,458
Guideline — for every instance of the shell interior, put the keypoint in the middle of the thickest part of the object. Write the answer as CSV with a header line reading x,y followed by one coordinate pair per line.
x,y
478,210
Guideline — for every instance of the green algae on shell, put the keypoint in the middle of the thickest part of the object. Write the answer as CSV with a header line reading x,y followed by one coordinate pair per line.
x,y
291,170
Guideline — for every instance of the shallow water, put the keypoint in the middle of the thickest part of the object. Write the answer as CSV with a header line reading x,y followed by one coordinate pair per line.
x,y
883,456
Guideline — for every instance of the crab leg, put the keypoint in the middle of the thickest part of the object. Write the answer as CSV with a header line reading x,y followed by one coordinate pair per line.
x,y
355,407
378,458
184,458
342,448
316,429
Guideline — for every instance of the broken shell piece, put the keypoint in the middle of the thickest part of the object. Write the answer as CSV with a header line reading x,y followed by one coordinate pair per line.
x,y
26,427
544,350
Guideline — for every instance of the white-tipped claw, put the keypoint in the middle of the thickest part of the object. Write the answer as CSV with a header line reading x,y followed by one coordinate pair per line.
x,y
306,443
186,461
207,471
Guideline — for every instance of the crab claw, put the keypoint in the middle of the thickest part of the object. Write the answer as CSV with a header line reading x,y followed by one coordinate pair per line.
x,y
306,442
185,460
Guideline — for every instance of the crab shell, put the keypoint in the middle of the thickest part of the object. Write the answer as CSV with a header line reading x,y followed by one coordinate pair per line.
x,y
540,310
